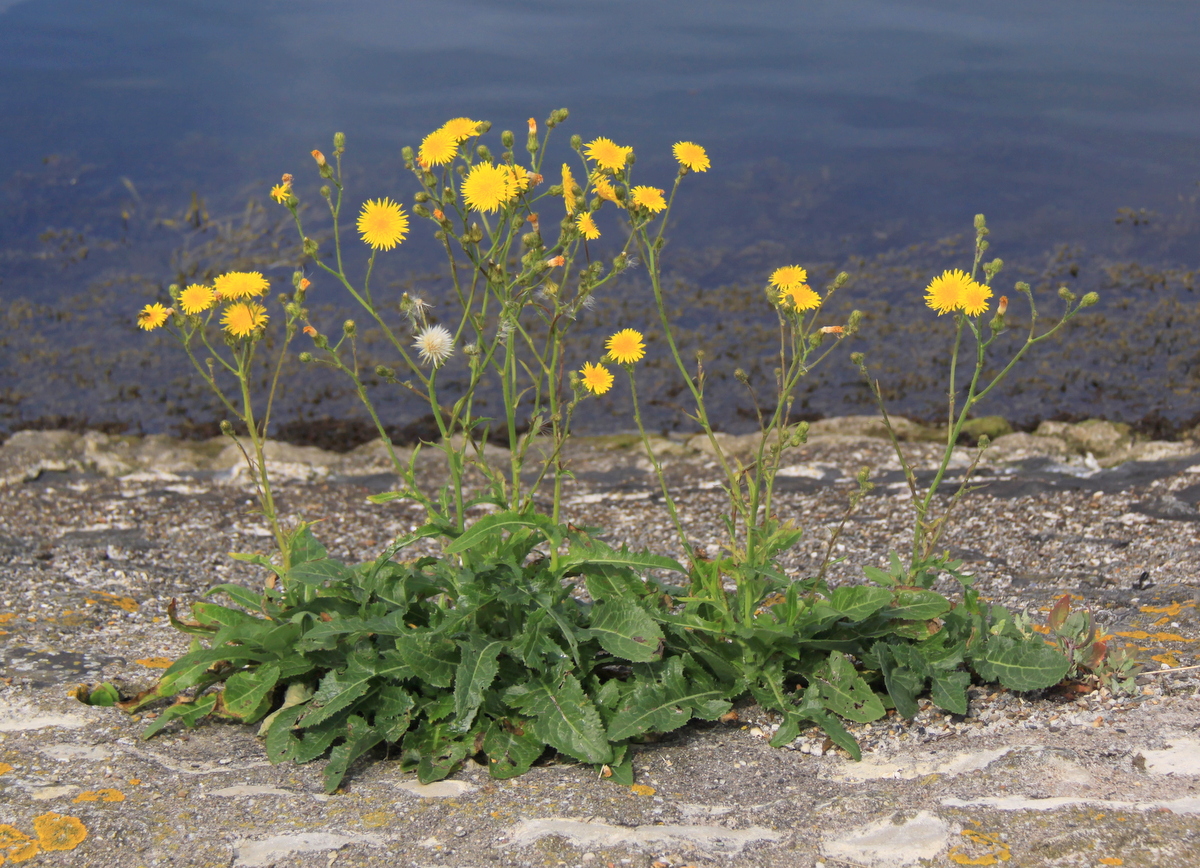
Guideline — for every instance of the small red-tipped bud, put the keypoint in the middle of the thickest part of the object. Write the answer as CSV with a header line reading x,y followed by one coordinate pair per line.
x,y
439,215
310,331
533,220
556,261
319,157
532,127
305,283
1002,306
832,330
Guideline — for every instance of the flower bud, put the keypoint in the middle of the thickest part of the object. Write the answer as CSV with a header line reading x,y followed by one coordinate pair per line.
x,y
384,371
853,323
310,247
310,331
1002,306
980,223
447,196
297,276
1066,294
507,138
741,376
226,427
306,357
407,153
326,192
421,196
483,152
476,233
532,239
349,328
841,280
439,215
484,126
1089,299
857,359
576,142
531,144
339,142
799,434
421,211
320,158
1022,286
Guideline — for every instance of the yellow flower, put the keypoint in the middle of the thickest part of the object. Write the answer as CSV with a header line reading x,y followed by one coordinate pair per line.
x,y
802,297
280,193
691,156
945,291
244,318
604,188
196,299
650,198
608,154
382,224
788,277
240,284
438,148
461,129
152,316
626,347
587,226
487,187
596,378
972,300
518,180
59,832
568,185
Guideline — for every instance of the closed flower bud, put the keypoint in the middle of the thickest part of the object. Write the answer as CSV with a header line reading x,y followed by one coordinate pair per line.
x,y
840,280
857,359
448,195
742,376
421,211
319,157
1089,299
799,434
384,371
855,320
1066,294
1022,286
507,138
980,223
576,142
310,247
226,427
297,276
483,152
484,126
421,196
476,233
306,357
339,142
349,328
531,239
407,153
325,191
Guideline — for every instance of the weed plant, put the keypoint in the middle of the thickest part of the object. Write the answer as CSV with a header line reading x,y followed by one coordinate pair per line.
x,y
525,632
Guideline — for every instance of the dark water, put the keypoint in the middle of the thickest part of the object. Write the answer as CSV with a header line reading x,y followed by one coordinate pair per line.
x,y
139,139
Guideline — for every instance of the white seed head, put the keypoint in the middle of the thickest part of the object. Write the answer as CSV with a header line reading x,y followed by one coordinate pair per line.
x,y
435,344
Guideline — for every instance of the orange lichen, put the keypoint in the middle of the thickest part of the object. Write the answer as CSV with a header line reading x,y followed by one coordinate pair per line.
x,y
7,616
1172,610
999,851
5,768
16,846
642,790
1161,637
106,795
155,662
59,832
1111,860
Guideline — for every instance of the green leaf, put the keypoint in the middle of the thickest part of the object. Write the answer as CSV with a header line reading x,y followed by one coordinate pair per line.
x,y
318,572
243,596
261,560
433,657
187,712
624,629
880,577
313,743
859,602
563,717
608,582
917,605
948,690
393,707
810,709
360,738
490,526
281,740
435,750
247,693
667,704
190,669
303,546
476,671
104,695
844,692
904,684
1023,665
599,554
511,747
338,690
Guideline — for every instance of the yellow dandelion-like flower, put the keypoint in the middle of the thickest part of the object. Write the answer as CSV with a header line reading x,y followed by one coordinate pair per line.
x,y
788,277
802,297
280,193
487,187
944,291
608,154
244,318
196,299
973,299
58,831
382,224
461,129
597,379
691,156
438,148
568,185
604,188
587,226
152,316
626,347
518,180
650,198
241,284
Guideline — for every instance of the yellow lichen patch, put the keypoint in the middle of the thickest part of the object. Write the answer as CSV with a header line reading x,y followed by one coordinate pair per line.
x,y
155,662
997,850
1039,628
1111,860
1160,637
107,795
1165,619
129,604
1169,659
375,819
7,616
1171,610
642,790
16,846
5,768
134,782
59,832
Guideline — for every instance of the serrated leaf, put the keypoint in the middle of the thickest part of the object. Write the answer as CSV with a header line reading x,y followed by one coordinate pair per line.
x,y
500,522
948,690
844,692
433,657
317,572
563,717
859,602
435,750
476,671
1024,665
599,554
247,693
881,577
904,683
917,605
281,741
339,688
393,706
313,743
190,669
511,748
189,713
607,582
624,629
303,546
667,704
360,738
